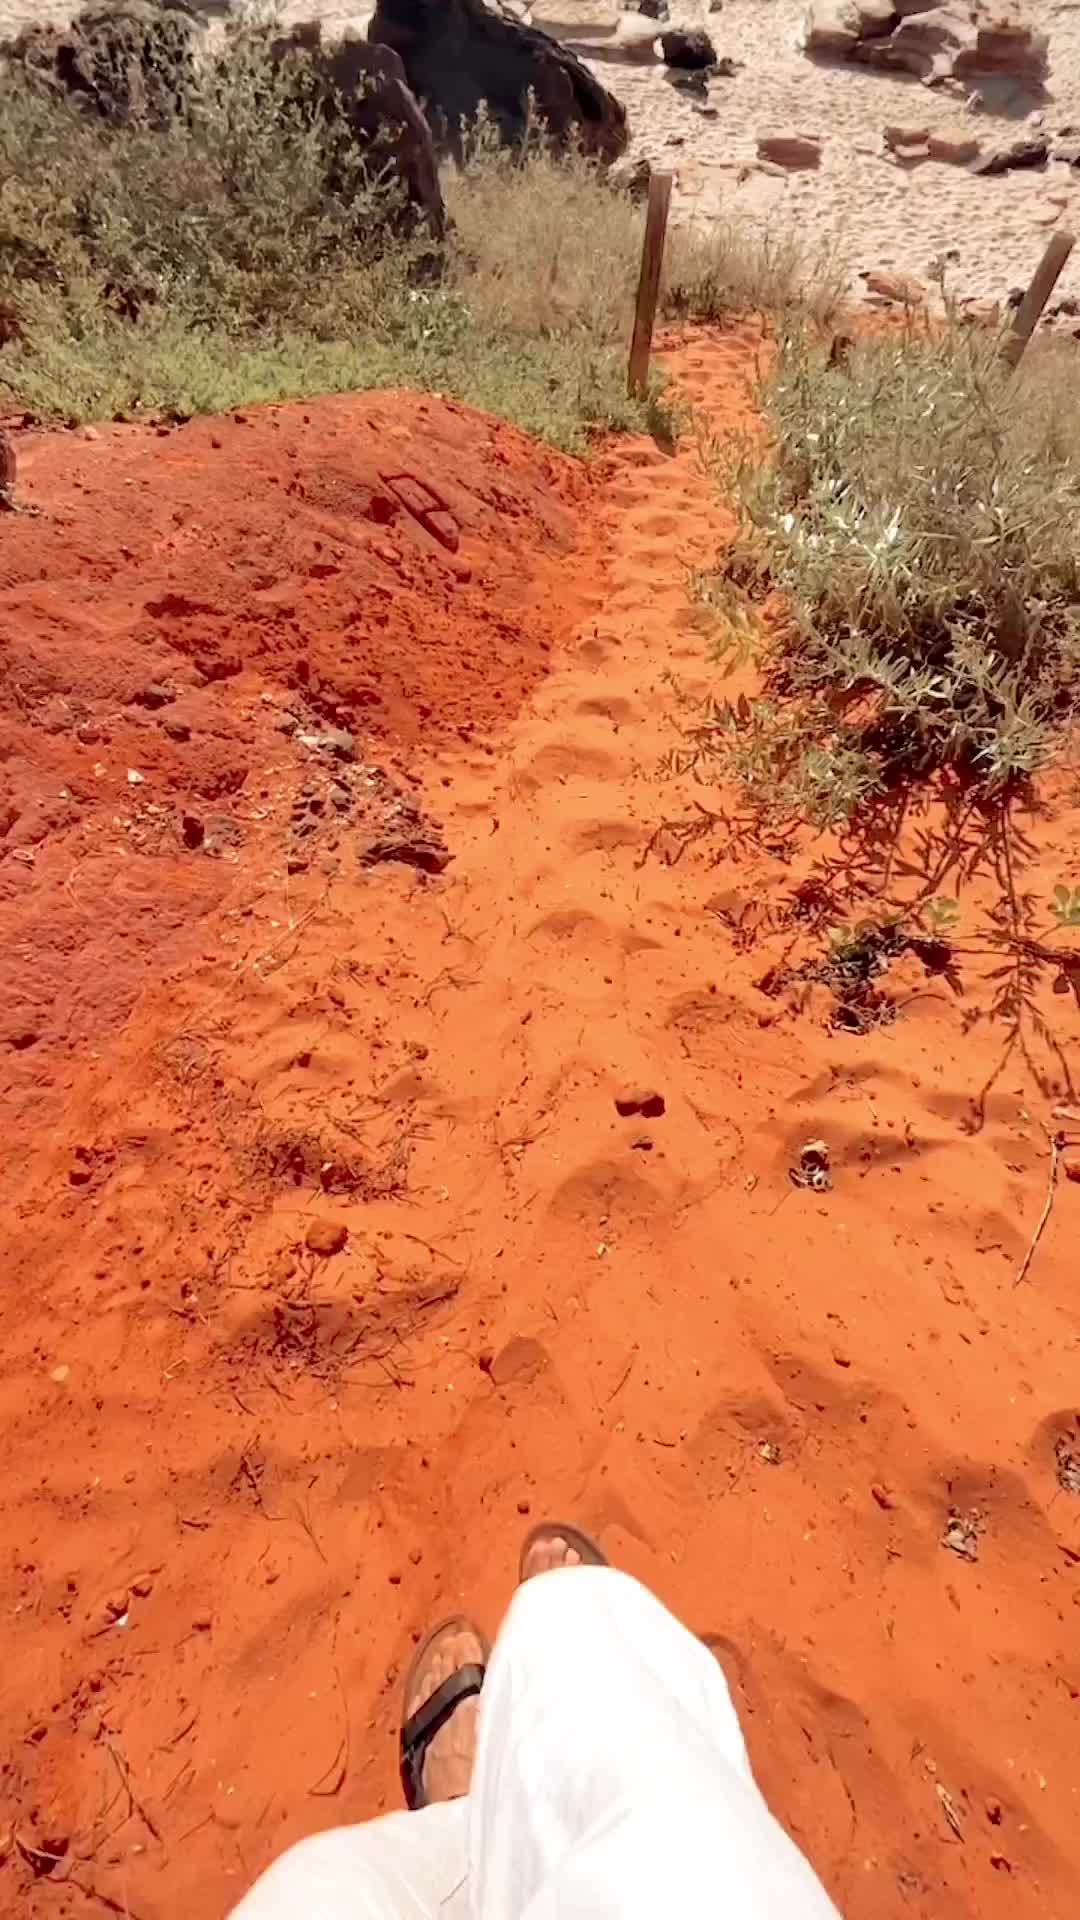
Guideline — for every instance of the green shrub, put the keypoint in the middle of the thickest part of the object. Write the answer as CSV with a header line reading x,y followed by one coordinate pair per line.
x,y
919,514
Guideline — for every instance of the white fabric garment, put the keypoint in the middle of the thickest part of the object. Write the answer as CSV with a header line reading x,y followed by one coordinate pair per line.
x,y
611,1783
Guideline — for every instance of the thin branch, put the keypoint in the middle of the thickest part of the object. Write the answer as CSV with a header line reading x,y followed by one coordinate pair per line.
x,y
1057,1143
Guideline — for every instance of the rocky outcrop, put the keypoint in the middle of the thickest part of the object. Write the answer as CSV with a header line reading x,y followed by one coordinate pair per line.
x,y
132,63
836,26
459,57
959,40
367,85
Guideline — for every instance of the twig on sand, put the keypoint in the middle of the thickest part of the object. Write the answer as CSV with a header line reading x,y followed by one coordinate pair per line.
x,y
135,1805
90,1892
332,1781
1057,1144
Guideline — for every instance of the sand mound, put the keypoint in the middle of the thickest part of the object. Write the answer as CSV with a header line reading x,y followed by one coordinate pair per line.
x,y
188,624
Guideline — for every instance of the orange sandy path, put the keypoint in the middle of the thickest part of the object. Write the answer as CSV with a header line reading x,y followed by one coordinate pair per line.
x,y
286,1465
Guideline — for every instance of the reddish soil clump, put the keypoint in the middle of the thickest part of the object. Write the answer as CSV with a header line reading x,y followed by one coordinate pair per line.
x,y
389,1200
196,622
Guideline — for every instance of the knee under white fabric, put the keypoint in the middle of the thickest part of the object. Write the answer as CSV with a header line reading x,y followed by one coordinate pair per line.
x,y
611,1783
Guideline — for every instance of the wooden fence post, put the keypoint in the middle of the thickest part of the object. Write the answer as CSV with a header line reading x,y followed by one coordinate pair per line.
x,y
1043,281
652,260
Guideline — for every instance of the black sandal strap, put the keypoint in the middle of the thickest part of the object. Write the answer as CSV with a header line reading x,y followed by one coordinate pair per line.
x,y
420,1729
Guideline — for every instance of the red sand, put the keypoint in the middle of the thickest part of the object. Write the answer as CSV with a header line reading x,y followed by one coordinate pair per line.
x,y
242,1475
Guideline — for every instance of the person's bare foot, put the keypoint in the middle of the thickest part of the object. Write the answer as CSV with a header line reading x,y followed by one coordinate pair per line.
x,y
448,1762
548,1547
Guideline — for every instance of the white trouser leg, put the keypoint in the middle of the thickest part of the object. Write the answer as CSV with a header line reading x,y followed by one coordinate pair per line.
x,y
406,1866
611,1778
611,1783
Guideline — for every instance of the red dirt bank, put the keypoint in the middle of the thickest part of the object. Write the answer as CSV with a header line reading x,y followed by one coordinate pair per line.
x,y
243,1474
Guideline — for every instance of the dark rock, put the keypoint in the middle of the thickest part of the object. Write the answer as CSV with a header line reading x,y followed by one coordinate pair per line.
x,y
643,1100
341,798
132,62
653,9
687,47
176,729
367,85
418,846
153,697
1030,152
192,831
459,56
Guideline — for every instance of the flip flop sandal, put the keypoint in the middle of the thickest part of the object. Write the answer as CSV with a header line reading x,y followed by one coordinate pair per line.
x,y
419,1730
591,1555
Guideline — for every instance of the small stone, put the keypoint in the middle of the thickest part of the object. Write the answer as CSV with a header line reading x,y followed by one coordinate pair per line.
x,y
954,145
297,864
116,1605
60,1374
176,729
416,1555
203,1621
993,1812
341,798
326,1237
899,289
485,1360
841,1360
687,47
643,1143
143,1587
643,1100
192,831
153,697
523,1507
394,1578
90,433
793,150
904,136
883,1496
335,740
88,733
